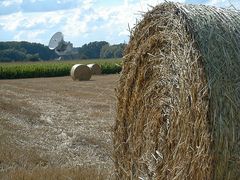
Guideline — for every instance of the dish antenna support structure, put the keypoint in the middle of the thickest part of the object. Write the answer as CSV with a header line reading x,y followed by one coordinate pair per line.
x,y
60,46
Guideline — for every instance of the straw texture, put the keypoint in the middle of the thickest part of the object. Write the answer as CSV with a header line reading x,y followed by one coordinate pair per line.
x,y
178,97
80,72
95,68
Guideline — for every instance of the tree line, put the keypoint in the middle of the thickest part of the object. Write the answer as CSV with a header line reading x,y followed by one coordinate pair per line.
x,y
25,51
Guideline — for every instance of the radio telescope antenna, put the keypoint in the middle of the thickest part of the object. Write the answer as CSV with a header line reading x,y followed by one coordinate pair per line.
x,y
61,47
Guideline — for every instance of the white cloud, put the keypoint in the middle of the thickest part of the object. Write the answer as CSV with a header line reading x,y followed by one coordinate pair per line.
x,y
63,1
120,17
21,20
47,20
7,3
11,22
31,36
74,26
224,3
83,23
87,4
115,20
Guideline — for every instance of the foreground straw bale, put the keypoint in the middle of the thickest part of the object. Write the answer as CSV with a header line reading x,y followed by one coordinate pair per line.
x,y
95,68
179,96
81,72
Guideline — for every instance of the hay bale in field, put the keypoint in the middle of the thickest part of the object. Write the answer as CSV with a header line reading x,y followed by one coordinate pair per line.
x,y
118,65
95,68
81,72
178,97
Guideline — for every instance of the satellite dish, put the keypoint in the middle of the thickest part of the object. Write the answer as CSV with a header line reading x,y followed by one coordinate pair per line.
x,y
56,40
61,47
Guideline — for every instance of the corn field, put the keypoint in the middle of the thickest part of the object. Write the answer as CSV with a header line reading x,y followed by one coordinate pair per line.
x,y
53,68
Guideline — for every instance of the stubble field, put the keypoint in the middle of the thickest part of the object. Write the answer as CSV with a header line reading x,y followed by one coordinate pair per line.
x,y
56,128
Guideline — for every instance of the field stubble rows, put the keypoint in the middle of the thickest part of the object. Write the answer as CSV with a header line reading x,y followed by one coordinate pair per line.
x,y
56,123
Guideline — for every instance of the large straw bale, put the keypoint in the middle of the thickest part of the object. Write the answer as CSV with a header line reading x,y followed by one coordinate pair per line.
x,y
81,72
178,98
95,68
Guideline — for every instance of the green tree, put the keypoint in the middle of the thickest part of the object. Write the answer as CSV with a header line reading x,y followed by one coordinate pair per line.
x,y
91,50
8,55
113,51
20,51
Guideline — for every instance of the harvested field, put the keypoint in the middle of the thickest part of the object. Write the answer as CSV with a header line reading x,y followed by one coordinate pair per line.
x,y
56,123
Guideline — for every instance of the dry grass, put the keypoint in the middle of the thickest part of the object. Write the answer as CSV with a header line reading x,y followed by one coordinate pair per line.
x,y
178,96
78,173
46,133
31,163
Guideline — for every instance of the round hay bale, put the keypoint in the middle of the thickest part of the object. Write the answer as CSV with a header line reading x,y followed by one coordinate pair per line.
x,y
178,96
81,72
95,68
118,65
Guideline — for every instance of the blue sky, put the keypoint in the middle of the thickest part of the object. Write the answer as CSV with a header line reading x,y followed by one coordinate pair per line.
x,y
81,21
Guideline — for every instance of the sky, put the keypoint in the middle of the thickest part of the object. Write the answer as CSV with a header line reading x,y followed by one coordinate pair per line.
x,y
81,21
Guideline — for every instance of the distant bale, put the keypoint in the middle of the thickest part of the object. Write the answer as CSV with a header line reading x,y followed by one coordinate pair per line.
x,y
178,97
81,72
118,65
95,68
